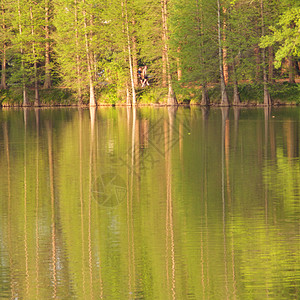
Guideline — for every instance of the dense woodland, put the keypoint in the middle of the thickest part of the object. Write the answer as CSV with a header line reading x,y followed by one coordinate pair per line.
x,y
93,48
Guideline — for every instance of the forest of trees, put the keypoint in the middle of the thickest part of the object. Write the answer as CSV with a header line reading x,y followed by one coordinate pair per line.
x,y
94,48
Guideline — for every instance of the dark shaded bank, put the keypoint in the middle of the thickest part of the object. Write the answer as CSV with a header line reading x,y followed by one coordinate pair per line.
x,y
250,94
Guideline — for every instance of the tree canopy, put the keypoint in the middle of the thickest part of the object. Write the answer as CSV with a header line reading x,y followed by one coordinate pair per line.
x,y
94,48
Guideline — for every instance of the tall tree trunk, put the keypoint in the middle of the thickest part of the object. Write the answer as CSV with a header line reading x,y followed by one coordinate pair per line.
x,y
79,90
257,62
267,97
224,97
47,82
25,98
88,58
205,98
129,53
134,56
3,70
36,88
225,64
171,95
179,71
130,56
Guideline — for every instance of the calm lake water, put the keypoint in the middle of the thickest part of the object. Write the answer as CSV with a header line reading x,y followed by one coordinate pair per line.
x,y
150,203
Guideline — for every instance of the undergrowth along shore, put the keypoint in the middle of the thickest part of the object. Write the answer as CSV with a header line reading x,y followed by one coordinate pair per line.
x,y
250,94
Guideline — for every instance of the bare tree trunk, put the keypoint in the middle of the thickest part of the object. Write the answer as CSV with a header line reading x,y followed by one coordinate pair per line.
x,y
267,97
25,98
3,72
36,88
47,83
225,64
171,95
130,56
133,95
205,97
224,97
79,91
134,56
87,49
179,71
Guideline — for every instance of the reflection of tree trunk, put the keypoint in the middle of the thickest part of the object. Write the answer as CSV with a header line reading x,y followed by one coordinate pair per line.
x,y
289,130
267,112
170,245
91,179
224,119
81,204
53,227
130,225
9,214
37,236
236,111
273,140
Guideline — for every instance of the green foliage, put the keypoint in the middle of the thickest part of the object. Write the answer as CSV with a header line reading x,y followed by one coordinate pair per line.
x,y
153,95
286,35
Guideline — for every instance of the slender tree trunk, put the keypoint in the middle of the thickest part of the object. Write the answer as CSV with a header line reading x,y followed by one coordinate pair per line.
x,y
179,70
224,97
79,89
134,56
171,95
47,83
129,56
87,49
205,98
224,49
267,98
3,72
257,62
36,88
25,98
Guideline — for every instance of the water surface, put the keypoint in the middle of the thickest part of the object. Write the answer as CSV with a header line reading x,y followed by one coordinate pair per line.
x,y
149,203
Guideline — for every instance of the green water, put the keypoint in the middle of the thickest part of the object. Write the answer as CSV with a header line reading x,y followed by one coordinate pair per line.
x,y
150,203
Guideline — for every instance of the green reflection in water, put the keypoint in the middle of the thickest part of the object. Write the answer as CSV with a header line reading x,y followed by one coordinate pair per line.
x,y
149,203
